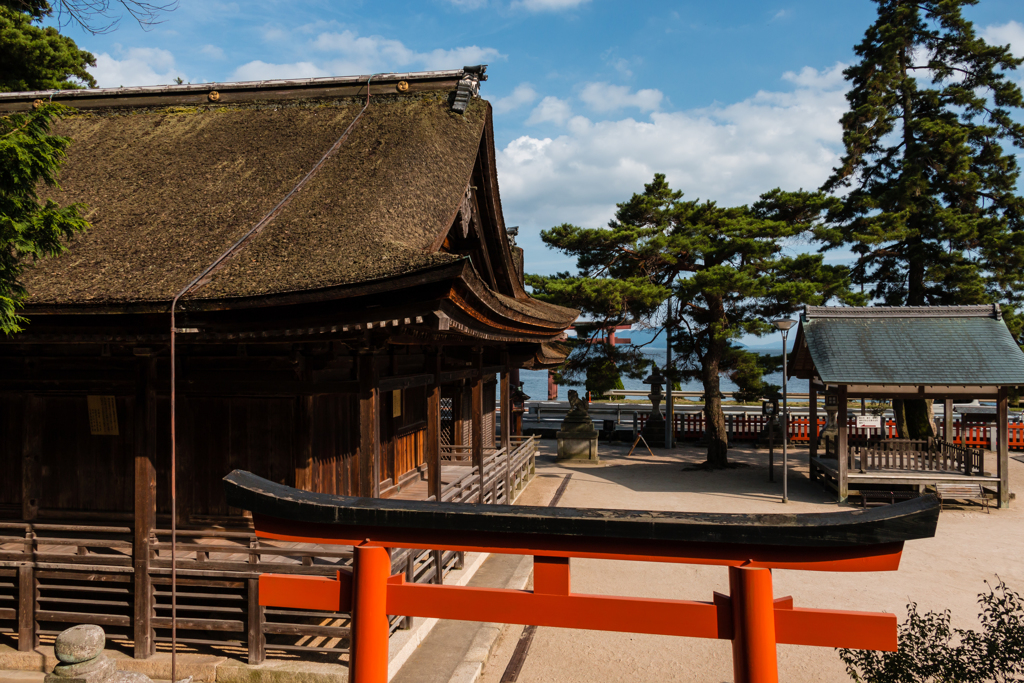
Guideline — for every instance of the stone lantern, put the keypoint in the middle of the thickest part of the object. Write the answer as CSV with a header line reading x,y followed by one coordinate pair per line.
x,y
654,429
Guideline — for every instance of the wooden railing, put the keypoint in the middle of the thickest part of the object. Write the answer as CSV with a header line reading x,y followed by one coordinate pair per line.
x,y
505,472
908,454
54,576
741,427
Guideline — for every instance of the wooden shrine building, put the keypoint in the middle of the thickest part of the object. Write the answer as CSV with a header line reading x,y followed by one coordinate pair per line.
x,y
359,341
942,353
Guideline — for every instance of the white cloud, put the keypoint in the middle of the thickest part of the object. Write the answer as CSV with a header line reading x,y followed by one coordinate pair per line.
x,y
547,5
137,66
212,51
606,97
551,109
1010,33
346,53
261,71
812,78
468,4
726,153
522,95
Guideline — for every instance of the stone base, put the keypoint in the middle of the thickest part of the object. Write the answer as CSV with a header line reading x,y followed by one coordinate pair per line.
x,y
577,447
654,433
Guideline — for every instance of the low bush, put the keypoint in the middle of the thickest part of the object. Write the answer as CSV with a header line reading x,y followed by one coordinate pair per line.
x,y
931,651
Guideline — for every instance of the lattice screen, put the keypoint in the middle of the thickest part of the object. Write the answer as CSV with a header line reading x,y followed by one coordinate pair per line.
x,y
447,420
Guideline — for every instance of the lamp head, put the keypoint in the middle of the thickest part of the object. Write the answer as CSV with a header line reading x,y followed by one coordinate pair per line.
x,y
784,324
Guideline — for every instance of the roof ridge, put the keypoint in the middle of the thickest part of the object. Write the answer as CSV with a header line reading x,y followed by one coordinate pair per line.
x,y
972,311
271,84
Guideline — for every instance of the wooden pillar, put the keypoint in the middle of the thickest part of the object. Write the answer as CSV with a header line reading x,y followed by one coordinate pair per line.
x,y
477,420
517,418
31,456
812,426
433,445
28,637
304,443
257,644
1003,450
506,426
842,446
145,432
369,442
947,420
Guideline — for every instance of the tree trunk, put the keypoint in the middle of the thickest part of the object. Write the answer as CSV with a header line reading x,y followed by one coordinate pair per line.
x,y
718,438
920,419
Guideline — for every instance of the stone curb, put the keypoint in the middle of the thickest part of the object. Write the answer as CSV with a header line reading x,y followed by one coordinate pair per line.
x,y
479,652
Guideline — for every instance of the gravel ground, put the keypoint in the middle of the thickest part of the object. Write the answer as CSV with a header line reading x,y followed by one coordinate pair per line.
x,y
946,572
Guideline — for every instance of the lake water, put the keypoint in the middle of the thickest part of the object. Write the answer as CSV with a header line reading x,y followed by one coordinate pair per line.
x,y
535,382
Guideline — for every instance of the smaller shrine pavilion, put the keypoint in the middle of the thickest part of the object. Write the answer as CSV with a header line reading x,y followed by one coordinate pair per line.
x,y
944,353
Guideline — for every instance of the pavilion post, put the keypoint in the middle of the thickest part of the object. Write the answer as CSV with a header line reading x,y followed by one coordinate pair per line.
x,y
145,429
947,420
842,445
812,426
1002,449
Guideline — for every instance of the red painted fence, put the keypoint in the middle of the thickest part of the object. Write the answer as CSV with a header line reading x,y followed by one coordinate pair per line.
x,y
749,427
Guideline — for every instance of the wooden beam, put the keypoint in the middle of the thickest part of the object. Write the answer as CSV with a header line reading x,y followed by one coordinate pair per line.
x,y
1002,450
842,446
369,444
31,454
405,382
145,433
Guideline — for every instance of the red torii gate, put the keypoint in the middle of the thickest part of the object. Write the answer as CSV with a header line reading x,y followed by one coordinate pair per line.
x,y
749,545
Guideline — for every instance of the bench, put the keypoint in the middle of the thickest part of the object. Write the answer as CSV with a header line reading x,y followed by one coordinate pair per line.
x,y
961,491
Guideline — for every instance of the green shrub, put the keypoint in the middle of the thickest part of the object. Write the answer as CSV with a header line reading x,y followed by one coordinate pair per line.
x,y
931,651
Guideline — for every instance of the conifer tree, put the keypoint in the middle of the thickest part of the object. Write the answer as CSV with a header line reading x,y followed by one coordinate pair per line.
x,y
723,270
31,227
928,179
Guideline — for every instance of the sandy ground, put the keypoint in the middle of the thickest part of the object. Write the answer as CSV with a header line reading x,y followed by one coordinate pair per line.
x,y
946,572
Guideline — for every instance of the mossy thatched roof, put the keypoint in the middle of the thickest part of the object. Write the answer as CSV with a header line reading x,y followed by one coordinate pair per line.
x,y
170,188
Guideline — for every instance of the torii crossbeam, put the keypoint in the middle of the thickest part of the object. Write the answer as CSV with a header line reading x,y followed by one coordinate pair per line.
x,y
749,545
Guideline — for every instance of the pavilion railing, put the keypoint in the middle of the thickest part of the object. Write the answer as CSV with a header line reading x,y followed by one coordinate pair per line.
x,y
928,455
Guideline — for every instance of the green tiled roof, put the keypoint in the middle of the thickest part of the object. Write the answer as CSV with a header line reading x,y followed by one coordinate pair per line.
x,y
947,345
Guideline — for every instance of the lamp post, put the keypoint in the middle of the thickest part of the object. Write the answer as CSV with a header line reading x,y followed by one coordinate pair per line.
x,y
784,325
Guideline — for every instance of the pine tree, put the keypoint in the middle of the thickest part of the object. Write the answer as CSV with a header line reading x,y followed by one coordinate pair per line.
x,y
929,204
722,269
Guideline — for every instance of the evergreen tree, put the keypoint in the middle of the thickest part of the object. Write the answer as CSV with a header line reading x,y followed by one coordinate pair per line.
x,y
30,228
33,58
722,270
39,58
929,204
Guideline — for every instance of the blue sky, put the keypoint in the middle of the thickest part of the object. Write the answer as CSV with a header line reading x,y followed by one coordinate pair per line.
x,y
592,97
